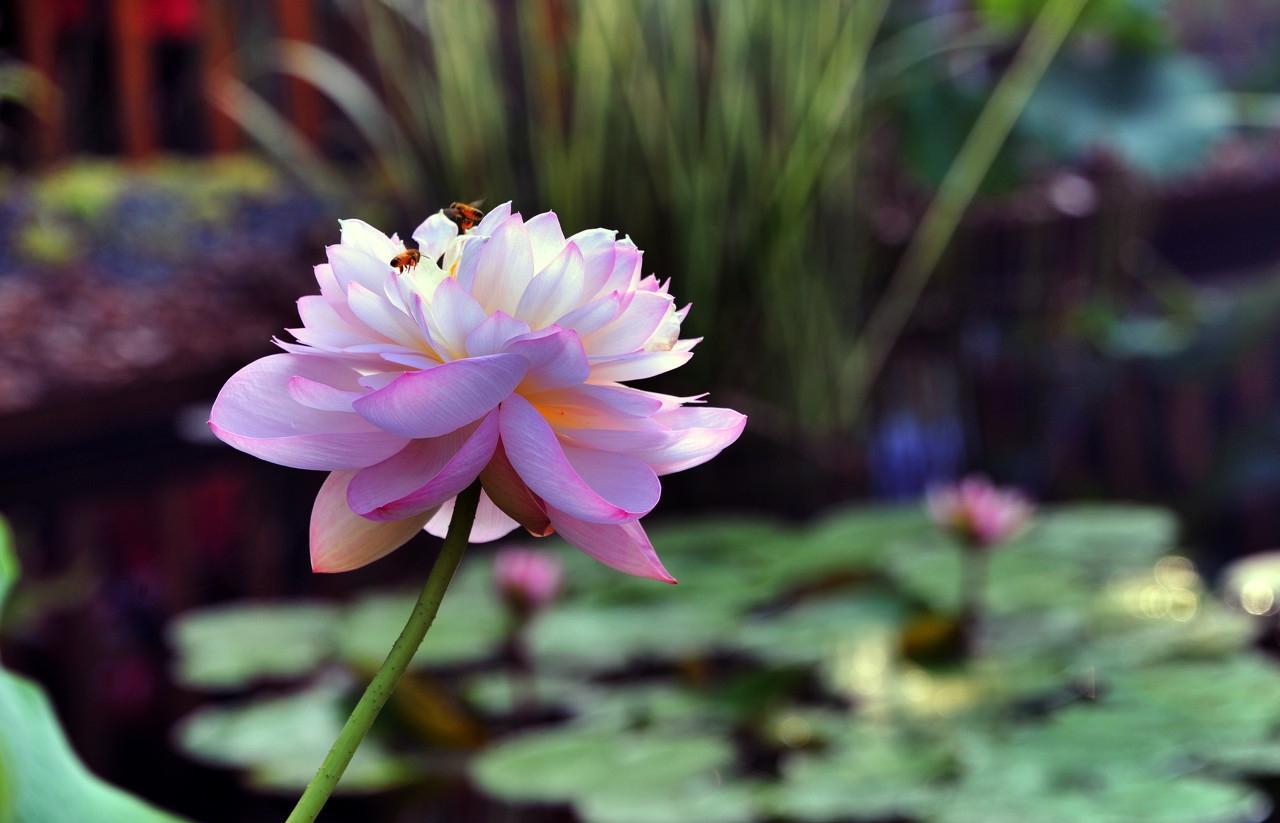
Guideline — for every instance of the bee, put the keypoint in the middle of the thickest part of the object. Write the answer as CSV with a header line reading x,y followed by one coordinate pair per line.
x,y
466,215
407,259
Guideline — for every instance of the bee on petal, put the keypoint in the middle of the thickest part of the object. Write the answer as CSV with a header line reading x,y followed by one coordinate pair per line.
x,y
407,259
466,215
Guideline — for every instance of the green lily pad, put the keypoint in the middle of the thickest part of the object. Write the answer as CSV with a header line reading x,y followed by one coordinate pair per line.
x,y
815,630
470,625
1106,538
1004,798
1160,112
496,693
281,741
237,644
1020,578
41,778
859,539
587,638
873,773
714,801
577,764
1203,705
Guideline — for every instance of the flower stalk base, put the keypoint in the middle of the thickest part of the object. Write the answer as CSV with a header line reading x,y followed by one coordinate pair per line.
x,y
389,673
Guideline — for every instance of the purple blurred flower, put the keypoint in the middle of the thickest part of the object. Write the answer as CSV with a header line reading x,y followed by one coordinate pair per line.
x,y
979,513
526,579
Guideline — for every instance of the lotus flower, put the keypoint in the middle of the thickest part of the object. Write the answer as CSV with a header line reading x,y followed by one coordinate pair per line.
x,y
502,355
980,514
525,578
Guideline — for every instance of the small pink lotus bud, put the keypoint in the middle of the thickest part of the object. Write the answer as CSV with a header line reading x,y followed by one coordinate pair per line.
x,y
979,513
526,579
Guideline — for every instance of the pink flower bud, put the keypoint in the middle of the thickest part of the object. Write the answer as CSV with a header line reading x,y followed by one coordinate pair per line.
x,y
526,579
979,513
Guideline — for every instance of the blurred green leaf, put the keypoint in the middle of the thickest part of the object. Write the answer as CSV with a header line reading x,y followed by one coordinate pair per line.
x,y
603,775
470,624
873,773
281,741
1140,23
1160,113
9,568
598,638
41,778
816,630
236,644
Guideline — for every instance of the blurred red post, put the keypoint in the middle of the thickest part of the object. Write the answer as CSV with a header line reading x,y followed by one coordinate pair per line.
x,y
38,19
133,77
216,66
294,17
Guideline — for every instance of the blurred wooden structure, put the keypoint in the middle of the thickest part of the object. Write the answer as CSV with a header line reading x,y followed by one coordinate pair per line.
x,y
126,50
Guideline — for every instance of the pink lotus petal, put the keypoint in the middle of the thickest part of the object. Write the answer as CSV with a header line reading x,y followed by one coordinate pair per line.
x,y
632,327
424,474
436,401
546,238
625,274
256,413
316,395
495,217
512,496
359,235
555,291
637,366
319,315
699,434
413,361
537,456
622,546
622,480
350,265
556,360
593,316
629,441
502,267
341,540
451,316
491,524
492,335
598,253
434,235
607,400
375,312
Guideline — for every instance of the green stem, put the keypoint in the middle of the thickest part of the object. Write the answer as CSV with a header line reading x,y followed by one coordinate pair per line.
x,y
956,191
402,651
973,597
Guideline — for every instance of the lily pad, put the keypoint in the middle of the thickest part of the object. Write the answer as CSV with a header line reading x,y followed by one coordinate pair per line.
x,y
816,630
577,763
470,625
281,741
1106,538
874,773
587,638
237,644
859,539
716,801
1161,112
41,778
